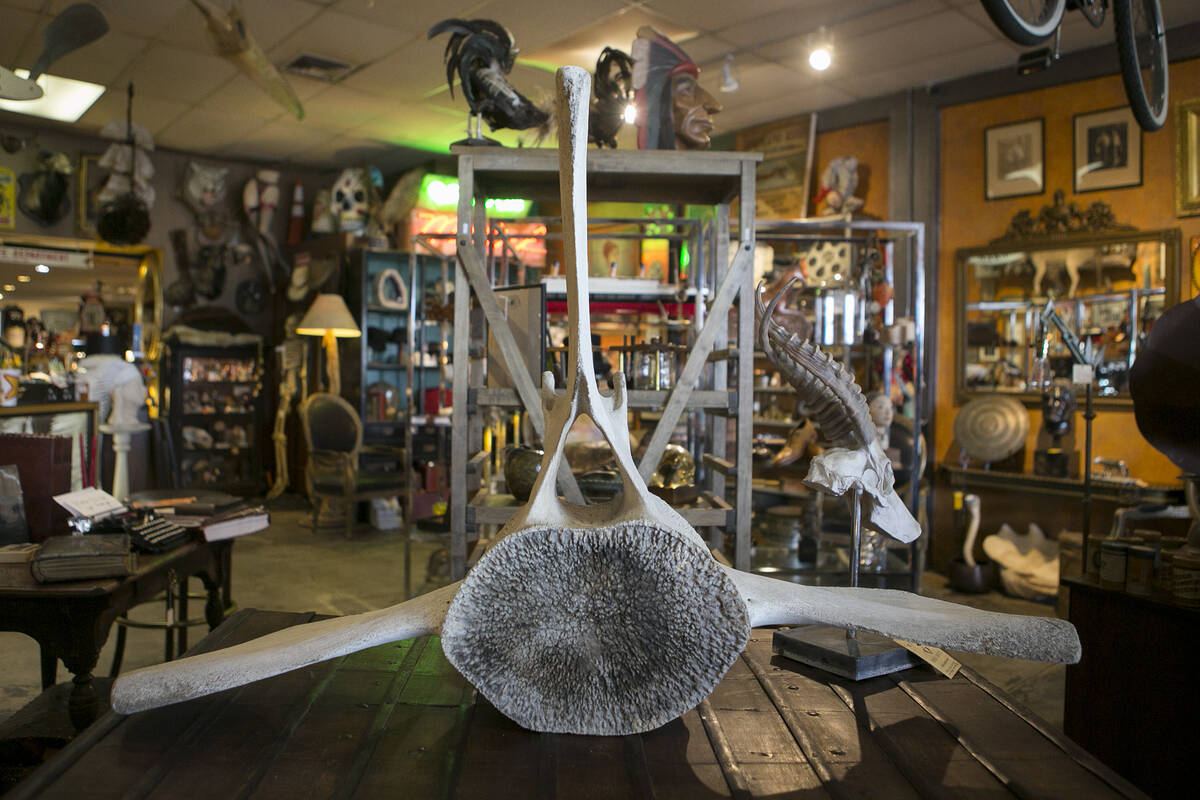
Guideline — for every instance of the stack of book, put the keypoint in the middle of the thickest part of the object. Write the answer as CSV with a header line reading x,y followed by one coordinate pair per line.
x,y
215,517
16,564
74,558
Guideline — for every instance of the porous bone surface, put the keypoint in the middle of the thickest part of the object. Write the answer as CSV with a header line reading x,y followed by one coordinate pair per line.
x,y
608,631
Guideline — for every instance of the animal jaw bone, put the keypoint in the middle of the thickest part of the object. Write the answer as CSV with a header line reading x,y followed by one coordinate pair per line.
x,y
607,619
837,405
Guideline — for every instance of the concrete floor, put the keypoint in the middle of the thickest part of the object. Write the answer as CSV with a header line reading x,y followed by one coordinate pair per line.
x,y
289,567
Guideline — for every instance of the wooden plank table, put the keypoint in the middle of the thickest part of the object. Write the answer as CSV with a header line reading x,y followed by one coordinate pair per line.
x,y
71,620
398,721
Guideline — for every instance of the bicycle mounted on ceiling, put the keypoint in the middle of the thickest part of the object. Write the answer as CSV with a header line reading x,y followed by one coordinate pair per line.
x,y
1140,35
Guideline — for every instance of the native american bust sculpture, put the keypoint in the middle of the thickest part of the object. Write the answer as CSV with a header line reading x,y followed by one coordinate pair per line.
x,y
604,619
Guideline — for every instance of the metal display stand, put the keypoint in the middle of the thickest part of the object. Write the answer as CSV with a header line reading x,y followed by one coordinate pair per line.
x,y
679,178
845,652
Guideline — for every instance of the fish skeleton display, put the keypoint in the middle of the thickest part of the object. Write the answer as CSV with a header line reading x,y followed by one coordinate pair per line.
x,y
603,619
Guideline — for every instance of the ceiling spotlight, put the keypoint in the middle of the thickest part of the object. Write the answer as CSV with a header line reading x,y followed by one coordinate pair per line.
x,y
8,287
630,114
42,268
23,279
820,53
728,82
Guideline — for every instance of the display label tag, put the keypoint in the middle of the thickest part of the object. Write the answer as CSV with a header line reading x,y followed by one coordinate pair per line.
x,y
1081,374
938,659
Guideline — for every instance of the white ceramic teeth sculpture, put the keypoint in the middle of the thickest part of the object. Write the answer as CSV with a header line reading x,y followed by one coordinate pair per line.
x,y
603,619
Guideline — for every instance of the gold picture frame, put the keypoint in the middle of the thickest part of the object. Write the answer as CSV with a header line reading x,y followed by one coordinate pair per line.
x,y
91,181
1187,159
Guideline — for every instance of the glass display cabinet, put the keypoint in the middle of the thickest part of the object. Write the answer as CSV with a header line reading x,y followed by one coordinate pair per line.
x,y
214,403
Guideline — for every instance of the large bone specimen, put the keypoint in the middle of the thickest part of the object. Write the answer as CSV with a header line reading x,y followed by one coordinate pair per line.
x,y
603,619
834,401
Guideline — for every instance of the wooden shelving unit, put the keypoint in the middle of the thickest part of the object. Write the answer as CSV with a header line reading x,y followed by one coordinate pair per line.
x,y
723,392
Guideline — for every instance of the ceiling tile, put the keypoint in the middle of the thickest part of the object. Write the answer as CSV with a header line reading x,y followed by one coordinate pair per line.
x,y
340,36
240,95
706,47
416,18
617,29
279,140
268,21
100,62
135,17
25,5
173,74
411,72
200,130
759,29
17,36
151,113
339,108
712,15
535,24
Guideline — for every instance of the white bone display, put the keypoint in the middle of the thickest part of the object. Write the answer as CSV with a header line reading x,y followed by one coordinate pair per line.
x,y
599,619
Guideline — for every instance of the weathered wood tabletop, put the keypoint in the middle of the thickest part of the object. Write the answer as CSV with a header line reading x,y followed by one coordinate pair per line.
x,y
397,721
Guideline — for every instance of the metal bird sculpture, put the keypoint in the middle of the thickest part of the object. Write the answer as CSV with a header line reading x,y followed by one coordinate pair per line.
x,y
613,87
76,26
482,52
230,39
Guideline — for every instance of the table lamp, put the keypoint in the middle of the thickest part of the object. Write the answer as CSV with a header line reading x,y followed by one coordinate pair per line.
x,y
329,318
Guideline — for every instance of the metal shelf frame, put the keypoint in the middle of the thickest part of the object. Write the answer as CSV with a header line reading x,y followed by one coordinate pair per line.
x,y
912,236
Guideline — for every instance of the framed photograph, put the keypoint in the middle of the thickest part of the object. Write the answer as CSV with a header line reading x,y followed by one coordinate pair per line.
x,y
1187,159
1012,159
1108,150
91,181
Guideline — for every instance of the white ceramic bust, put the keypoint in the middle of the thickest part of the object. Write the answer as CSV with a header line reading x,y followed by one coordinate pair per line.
x,y
116,385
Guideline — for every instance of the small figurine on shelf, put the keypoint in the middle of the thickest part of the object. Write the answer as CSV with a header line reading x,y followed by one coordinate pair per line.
x,y
1058,411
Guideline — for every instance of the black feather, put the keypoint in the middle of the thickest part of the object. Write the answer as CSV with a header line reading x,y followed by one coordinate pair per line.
x,y
613,92
483,52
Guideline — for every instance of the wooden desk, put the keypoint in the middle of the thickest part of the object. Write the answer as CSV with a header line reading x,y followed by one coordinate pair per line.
x,y
398,721
71,620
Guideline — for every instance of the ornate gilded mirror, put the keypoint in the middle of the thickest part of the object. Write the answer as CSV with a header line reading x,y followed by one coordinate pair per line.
x,y
1108,282
49,278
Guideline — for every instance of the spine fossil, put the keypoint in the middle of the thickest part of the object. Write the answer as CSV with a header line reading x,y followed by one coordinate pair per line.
x,y
828,392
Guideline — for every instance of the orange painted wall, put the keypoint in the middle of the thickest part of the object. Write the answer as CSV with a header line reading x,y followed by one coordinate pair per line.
x,y
869,143
969,220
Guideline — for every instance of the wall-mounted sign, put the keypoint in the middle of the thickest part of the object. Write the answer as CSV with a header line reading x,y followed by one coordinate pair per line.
x,y
8,199
70,259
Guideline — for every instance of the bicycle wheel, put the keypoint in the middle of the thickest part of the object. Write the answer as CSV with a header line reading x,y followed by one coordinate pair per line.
x,y
1142,49
1092,10
1026,22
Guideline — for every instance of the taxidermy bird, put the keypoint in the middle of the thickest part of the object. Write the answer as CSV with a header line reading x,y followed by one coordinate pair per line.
x,y
482,51
76,26
613,87
229,39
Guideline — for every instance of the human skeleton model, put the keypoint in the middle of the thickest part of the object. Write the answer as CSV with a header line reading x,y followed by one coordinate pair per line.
x,y
599,619
292,357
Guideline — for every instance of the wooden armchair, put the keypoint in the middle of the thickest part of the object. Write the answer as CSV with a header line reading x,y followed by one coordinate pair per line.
x,y
334,434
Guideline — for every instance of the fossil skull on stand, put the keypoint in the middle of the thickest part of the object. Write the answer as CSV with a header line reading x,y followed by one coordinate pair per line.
x,y
603,619
833,400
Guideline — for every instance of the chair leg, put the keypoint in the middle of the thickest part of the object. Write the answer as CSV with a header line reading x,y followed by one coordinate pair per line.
x,y
351,513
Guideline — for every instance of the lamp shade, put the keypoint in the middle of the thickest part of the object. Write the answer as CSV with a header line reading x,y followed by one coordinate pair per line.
x,y
328,314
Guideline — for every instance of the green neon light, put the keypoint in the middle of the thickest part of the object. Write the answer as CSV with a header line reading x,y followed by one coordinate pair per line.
x,y
440,192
